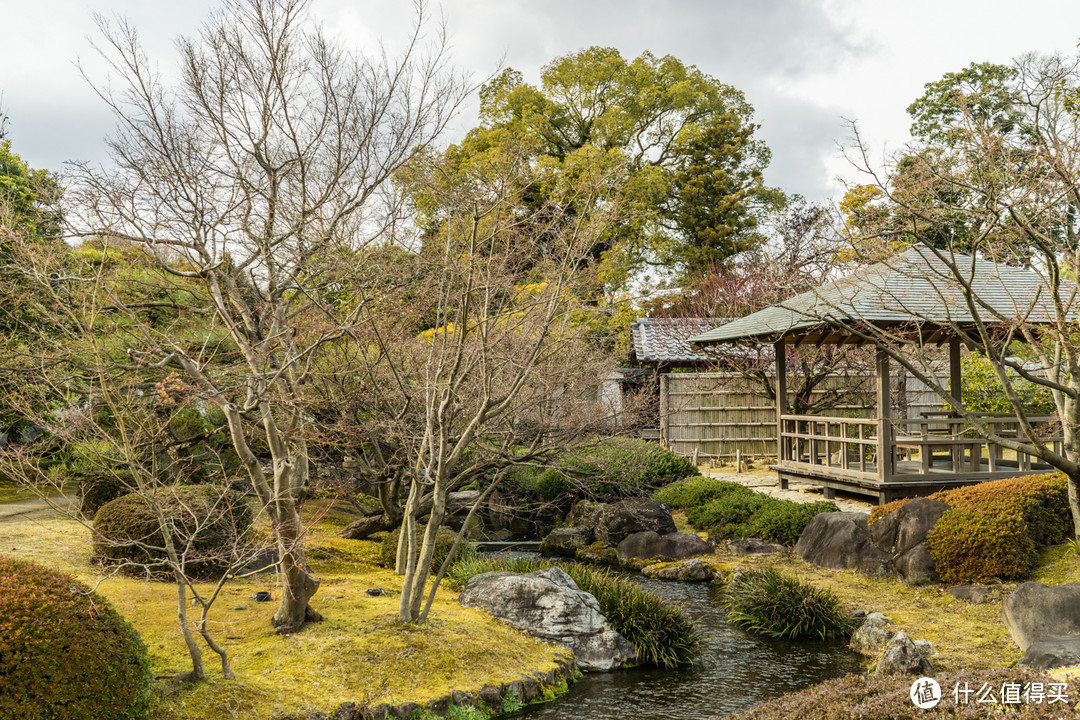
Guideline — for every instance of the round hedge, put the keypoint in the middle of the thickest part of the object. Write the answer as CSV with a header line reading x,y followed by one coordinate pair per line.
x,y
211,518
65,653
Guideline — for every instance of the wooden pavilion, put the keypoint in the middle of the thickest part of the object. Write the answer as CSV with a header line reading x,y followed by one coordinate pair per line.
x,y
913,298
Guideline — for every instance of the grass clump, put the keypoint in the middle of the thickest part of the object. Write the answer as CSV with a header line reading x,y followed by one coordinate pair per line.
x,y
768,602
662,633
65,652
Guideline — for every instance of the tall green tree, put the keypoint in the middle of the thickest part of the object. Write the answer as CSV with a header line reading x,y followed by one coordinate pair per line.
x,y
694,189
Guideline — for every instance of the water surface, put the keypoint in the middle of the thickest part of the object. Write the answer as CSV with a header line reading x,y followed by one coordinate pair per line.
x,y
736,670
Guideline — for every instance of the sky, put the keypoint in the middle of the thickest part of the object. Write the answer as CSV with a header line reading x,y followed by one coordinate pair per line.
x,y
808,67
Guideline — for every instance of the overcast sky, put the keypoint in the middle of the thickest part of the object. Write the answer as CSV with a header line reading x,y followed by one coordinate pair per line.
x,y
805,66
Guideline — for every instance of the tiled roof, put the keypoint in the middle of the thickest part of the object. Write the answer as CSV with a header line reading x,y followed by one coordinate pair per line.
x,y
914,286
667,340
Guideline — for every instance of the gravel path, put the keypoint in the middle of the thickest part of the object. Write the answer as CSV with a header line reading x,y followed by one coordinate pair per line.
x,y
799,491
32,509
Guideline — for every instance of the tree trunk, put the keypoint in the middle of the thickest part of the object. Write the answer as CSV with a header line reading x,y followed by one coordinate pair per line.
x,y
198,671
298,583
362,528
412,601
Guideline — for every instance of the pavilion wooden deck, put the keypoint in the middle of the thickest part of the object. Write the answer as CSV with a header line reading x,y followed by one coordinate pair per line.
x,y
923,455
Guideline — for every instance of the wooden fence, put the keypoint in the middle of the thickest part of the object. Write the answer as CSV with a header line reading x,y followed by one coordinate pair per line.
x,y
717,414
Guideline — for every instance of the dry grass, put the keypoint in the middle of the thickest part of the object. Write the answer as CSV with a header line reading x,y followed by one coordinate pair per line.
x,y
360,652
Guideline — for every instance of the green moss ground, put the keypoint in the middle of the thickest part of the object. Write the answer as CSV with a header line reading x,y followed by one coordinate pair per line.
x,y
359,653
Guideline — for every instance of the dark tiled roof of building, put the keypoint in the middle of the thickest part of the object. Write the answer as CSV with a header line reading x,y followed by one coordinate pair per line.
x,y
915,286
667,341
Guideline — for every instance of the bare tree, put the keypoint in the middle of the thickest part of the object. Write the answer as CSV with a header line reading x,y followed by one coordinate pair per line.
x,y
1012,189
504,373
256,176
803,251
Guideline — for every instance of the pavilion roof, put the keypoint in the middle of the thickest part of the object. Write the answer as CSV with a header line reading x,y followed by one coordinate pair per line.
x,y
916,286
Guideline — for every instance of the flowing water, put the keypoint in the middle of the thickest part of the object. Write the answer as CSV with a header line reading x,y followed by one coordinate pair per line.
x,y
736,670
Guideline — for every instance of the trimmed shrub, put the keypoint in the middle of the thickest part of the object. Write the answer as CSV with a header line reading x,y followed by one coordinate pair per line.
x,y
769,602
721,515
611,470
65,653
781,521
99,486
884,697
626,467
694,491
971,546
210,520
662,633
444,540
995,529
881,511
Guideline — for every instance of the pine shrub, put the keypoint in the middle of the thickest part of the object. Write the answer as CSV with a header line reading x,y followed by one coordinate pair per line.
x,y
768,602
65,653
210,521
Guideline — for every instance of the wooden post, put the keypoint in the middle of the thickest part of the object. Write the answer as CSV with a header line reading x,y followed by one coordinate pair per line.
x,y
884,409
954,368
664,414
780,354
738,460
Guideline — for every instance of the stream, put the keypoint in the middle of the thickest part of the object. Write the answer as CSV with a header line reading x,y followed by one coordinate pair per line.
x,y
736,670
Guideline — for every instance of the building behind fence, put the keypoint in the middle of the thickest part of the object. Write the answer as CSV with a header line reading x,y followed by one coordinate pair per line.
x,y
717,414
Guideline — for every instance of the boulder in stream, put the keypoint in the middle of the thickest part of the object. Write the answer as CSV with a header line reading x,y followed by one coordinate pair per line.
x,y
548,604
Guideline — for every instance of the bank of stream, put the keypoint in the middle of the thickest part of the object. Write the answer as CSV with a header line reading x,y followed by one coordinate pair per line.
x,y
736,670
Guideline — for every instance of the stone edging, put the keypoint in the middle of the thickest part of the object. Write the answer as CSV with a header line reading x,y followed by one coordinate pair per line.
x,y
535,687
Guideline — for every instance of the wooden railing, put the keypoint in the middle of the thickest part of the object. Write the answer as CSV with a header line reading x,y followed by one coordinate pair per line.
x,y
847,443
936,442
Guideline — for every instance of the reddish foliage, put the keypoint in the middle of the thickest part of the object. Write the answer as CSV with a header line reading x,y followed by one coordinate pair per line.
x,y
65,653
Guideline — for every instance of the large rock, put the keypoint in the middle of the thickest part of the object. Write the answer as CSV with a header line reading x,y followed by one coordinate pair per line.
x,y
673,546
907,526
841,541
688,570
915,566
1034,611
871,637
902,657
566,541
619,520
975,594
1052,651
548,604
585,513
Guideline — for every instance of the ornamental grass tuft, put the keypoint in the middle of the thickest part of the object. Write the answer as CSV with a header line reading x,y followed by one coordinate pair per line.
x,y
768,602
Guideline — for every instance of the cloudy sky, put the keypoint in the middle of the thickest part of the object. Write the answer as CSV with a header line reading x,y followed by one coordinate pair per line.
x,y
807,66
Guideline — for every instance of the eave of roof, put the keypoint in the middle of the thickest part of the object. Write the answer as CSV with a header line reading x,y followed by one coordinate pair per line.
x,y
915,287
